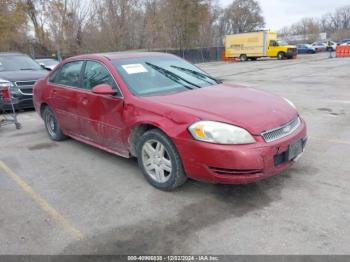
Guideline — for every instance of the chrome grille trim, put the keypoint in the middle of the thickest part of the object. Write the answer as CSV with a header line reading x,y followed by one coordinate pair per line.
x,y
25,87
25,92
282,131
25,83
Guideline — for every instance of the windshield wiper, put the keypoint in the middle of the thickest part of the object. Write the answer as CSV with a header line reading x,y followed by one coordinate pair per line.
x,y
31,69
172,75
199,75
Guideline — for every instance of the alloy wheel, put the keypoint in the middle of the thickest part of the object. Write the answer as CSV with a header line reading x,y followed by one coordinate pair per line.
x,y
156,161
51,124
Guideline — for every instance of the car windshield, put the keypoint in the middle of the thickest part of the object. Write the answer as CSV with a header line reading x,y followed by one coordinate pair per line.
x,y
282,42
161,75
17,62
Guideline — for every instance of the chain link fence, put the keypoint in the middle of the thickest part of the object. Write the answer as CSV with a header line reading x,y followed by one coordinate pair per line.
x,y
197,55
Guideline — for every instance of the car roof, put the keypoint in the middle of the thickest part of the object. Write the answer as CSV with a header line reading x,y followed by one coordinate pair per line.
x,y
10,53
120,55
46,59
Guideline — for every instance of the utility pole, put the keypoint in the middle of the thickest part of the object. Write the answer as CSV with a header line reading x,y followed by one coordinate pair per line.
x,y
60,36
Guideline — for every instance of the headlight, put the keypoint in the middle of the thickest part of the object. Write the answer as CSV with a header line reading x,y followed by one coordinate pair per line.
x,y
8,84
4,83
220,133
290,103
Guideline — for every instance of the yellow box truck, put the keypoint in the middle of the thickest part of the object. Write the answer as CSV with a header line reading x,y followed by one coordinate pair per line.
x,y
257,44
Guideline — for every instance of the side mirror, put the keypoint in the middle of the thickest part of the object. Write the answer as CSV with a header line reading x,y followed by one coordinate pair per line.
x,y
103,89
44,67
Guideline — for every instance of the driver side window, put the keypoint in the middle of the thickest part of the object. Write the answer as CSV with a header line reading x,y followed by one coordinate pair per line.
x,y
95,74
273,43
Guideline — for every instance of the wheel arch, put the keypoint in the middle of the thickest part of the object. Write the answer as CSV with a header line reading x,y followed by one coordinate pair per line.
x,y
245,56
42,108
137,131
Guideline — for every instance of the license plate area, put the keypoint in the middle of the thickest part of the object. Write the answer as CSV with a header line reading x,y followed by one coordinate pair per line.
x,y
295,150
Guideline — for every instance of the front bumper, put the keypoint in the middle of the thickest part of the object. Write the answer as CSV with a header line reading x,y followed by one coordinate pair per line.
x,y
237,164
20,102
292,54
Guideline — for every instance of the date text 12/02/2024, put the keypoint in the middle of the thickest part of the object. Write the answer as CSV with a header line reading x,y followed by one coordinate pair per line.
x,y
173,258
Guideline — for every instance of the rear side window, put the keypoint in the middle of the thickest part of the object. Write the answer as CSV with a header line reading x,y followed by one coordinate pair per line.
x,y
69,74
95,74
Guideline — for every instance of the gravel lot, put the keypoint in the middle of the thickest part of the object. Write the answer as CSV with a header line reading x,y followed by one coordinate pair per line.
x,y
70,198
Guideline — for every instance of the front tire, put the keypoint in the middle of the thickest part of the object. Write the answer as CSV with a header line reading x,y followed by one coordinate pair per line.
x,y
281,55
159,161
52,126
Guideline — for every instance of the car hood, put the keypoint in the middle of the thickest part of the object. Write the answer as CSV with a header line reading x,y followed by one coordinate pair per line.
x,y
23,75
252,109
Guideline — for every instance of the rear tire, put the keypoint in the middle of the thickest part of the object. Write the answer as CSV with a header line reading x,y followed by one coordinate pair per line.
x,y
281,55
159,160
52,126
243,57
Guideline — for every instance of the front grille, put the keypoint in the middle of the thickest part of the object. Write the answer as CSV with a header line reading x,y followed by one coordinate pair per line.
x,y
26,91
282,131
25,87
25,83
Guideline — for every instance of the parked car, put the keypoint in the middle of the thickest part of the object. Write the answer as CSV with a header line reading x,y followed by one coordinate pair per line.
x,y
346,43
176,119
20,73
305,49
319,46
48,63
343,41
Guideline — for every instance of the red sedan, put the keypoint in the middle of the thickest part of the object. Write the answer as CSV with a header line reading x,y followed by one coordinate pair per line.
x,y
176,119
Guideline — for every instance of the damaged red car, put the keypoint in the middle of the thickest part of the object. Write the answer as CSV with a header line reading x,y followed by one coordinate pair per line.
x,y
176,119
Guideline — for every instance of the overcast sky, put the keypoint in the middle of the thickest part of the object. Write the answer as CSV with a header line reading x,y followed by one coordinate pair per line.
x,y
279,13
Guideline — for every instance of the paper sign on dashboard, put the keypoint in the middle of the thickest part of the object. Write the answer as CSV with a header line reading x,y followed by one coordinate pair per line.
x,y
134,68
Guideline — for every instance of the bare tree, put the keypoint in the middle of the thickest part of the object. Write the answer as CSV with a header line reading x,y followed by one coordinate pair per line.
x,y
152,32
37,11
336,25
77,16
242,16
12,25
183,20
